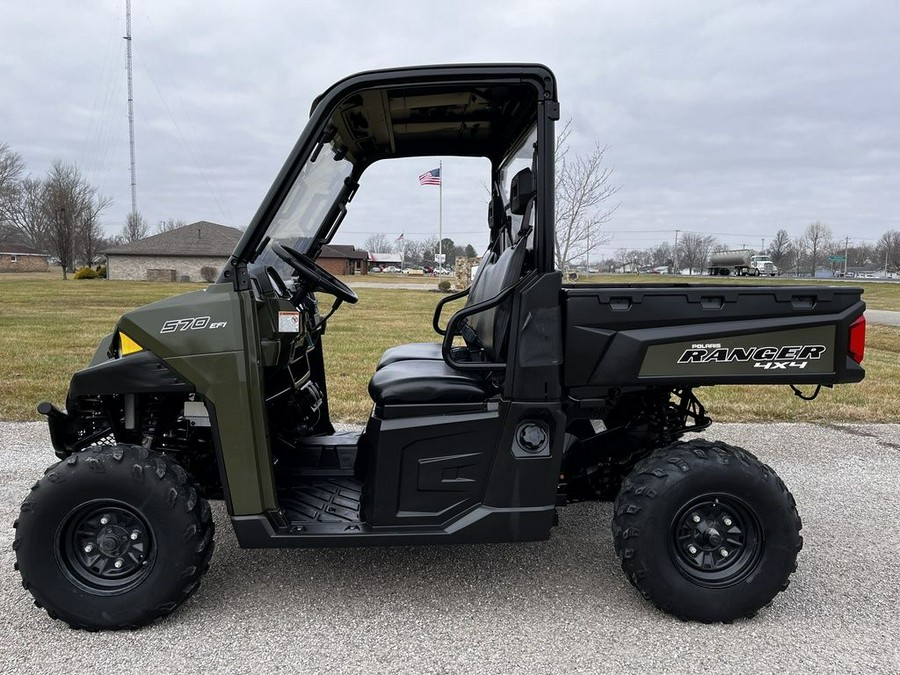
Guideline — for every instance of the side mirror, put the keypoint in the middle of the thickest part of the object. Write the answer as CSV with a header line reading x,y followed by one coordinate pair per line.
x,y
497,219
521,191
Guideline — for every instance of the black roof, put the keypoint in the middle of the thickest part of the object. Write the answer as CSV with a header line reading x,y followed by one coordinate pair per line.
x,y
10,248
343,251
202,238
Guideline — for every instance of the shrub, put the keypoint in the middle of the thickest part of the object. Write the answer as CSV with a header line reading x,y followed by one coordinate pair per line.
x,y
85,273
101,271
209,273
444,286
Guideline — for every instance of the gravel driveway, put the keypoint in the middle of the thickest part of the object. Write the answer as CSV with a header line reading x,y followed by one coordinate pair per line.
x,y
559,606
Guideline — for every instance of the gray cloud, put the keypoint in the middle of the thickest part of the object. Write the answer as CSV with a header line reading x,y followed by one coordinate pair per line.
x,y
739,118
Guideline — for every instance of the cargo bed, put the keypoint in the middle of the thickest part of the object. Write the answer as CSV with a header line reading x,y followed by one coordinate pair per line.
x,y
687,335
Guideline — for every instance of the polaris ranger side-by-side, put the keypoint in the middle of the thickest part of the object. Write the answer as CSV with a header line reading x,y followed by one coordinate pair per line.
x,y
534,395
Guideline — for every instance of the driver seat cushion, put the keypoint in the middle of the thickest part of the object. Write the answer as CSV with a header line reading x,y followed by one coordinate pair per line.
x,y
426,381
417,351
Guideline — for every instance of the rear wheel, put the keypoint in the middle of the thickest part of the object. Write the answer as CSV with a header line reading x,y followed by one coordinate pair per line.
x,y
706,531
113,537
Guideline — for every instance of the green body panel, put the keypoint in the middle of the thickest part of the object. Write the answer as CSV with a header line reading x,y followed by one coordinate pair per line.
x,y
101,354
211,339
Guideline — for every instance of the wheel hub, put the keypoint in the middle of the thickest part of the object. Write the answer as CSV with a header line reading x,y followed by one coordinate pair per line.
x,y
713,537
716,540
106,547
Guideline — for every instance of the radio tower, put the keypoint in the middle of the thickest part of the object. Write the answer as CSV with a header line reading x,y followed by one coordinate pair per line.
x,y
130,107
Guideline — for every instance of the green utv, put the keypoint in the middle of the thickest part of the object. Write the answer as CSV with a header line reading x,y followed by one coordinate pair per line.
x,y
536,394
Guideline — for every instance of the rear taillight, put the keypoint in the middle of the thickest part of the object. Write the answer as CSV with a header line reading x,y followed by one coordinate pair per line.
x,y
856,346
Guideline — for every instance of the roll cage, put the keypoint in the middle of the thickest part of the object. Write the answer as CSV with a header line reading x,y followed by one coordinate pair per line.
x,y
460,110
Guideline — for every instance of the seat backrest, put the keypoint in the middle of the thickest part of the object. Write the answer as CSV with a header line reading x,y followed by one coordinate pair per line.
x,y
499,271
492,325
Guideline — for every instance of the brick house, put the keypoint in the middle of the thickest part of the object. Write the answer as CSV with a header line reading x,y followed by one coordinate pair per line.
x,y
176,255
343,259
22,258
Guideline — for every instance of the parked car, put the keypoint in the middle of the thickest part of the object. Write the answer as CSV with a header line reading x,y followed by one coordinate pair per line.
x,y
391,269
376,269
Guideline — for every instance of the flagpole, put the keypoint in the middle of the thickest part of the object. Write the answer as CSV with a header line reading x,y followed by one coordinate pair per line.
x,y
441,210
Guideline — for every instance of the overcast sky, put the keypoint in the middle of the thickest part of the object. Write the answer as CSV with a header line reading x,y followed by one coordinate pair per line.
x,y
734,118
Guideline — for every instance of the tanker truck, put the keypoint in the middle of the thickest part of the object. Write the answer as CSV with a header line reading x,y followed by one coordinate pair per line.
x,y
741,262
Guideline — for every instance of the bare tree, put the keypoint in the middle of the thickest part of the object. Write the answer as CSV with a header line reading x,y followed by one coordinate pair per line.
x,y
378,243
888,249
858,254
583,192
781,250
817,237
800,253
412,251
89,233
169,225
68,203
62,205
662,254
12,166
694,249
135,228
27,214
429,248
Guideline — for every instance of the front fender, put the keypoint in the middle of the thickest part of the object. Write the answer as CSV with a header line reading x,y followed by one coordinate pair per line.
x,y
137,373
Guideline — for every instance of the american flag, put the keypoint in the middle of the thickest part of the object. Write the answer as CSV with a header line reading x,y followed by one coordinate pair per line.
x,y
432,177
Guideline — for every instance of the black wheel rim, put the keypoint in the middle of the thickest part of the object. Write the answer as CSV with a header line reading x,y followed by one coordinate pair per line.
x,y
716,540
106,547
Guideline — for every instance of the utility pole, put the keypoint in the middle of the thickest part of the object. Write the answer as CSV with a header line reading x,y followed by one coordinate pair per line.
x,y
846,248
130,106
587,254
762,244
675,254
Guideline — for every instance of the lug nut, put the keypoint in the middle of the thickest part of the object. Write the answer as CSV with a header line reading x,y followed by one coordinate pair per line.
x,y
692,549
726,521
88,548
135,535
723,552
695,518
104,520
119,562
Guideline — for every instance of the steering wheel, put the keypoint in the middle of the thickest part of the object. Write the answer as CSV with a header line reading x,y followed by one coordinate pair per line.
x,y
315,276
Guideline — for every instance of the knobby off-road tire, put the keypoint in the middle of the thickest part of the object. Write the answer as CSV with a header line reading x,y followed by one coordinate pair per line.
x,y
113,537
706,531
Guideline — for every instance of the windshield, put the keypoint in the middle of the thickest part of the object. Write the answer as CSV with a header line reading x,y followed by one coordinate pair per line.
x,y
309,200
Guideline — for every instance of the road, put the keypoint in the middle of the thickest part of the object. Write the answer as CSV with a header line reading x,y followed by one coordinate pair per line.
x,y
883,316
560,606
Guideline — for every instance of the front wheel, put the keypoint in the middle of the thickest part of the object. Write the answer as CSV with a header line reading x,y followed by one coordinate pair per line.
x,y
113,537
706,531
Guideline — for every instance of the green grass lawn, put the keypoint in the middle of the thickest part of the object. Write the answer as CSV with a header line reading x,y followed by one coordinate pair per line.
x,y
49,328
